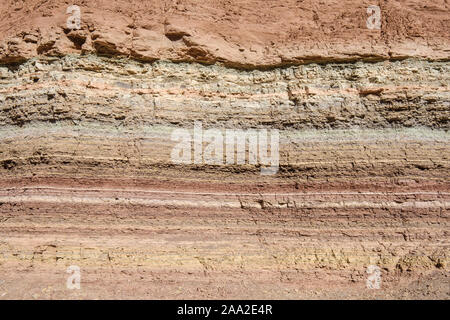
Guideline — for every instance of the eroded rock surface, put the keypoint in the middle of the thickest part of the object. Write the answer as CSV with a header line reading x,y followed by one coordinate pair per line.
x,y
247,34
87,176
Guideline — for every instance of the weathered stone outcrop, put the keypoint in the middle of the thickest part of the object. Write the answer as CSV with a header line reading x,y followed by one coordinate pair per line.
x,y
410,93
250,34
87,175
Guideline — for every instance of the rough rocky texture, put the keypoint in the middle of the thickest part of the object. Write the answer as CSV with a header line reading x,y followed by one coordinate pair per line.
x,y
87,179
86,89
254,33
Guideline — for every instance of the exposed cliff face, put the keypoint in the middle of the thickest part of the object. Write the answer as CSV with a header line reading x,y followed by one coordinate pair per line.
x,y
121,92
88,178
255,33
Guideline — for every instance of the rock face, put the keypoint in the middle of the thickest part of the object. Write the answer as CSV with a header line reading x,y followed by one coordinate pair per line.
x,y
89,121
409,93
250,34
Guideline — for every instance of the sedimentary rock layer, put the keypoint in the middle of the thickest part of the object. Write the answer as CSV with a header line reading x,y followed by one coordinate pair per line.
x,y
88,180
247,34
87,170
151,241
83,89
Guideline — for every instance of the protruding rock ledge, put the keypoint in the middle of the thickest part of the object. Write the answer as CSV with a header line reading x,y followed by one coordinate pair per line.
x,y
248,35
411,93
